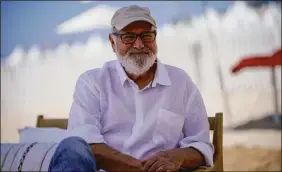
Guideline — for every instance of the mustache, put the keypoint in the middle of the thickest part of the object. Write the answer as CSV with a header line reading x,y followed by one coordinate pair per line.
x,y
139,51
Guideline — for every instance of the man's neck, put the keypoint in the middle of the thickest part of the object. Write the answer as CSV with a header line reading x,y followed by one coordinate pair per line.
x,y
144,79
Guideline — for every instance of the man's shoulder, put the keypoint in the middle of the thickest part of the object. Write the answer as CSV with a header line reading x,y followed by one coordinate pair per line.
x,y
176,72
97,73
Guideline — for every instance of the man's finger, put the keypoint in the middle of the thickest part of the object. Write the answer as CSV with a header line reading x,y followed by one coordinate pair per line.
x,y
149,162
163,168
156,165
162,164
169,167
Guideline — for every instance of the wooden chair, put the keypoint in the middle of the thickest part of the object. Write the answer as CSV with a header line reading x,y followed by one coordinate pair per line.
x,y
58,123
216,125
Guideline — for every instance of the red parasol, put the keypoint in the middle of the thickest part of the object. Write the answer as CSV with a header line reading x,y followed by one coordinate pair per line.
x,y
259,61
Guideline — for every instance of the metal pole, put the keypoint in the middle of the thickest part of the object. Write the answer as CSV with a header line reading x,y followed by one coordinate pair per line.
x,y
275,95
276,118
218,69
196,48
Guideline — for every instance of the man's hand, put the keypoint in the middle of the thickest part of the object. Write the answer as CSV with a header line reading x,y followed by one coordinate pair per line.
x,y
165,161
172,160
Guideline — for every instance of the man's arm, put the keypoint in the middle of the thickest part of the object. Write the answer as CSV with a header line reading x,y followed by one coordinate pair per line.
x,y
84,122
195,149
196,133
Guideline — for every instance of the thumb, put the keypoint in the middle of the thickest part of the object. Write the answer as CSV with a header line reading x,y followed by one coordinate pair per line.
x,y
143,161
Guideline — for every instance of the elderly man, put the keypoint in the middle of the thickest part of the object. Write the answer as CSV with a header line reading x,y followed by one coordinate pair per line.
x,y
135,113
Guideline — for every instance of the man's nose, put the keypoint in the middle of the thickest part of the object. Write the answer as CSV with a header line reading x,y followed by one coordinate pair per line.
x,y
138,43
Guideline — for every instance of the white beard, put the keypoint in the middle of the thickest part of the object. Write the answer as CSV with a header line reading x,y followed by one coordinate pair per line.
x,y
137,64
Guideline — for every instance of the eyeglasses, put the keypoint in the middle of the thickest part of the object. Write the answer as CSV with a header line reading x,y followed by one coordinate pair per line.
x,y
130,38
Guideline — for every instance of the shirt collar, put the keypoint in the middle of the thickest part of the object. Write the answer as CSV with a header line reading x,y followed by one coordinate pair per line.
x,y
161,75
121,73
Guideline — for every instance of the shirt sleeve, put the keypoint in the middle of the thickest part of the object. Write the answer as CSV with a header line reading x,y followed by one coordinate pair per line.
x,y
84,116
196,127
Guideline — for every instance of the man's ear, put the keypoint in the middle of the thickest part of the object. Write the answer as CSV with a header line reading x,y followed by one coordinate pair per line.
x,y
112,41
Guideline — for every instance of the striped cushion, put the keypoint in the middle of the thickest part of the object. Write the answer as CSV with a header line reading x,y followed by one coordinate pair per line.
x,y
37,159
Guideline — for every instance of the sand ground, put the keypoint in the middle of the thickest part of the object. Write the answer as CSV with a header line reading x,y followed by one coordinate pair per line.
x,y
240,158
252,150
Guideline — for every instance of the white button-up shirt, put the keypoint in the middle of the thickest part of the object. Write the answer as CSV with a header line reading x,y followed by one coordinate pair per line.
x,y
109,108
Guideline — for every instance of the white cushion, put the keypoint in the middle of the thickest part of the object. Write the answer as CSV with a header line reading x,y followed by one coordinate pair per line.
x,y
42,135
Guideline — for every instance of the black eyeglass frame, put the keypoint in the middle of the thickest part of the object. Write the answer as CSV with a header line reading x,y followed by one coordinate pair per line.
x,y
120,35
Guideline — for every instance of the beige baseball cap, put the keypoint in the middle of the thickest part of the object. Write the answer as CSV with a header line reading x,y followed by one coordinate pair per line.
x,y
126,15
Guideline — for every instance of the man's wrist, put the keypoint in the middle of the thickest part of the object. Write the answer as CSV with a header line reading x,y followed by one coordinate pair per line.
x,y
193,158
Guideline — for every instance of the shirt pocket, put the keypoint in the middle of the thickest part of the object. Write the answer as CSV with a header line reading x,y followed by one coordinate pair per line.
x,y
168,129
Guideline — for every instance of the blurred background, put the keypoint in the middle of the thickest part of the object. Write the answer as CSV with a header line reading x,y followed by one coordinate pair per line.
x,y
45,46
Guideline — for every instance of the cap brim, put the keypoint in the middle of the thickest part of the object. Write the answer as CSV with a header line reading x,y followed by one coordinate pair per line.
x,y
126,22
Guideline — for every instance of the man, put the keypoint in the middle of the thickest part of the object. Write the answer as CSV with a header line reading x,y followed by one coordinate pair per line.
x,y
135,114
